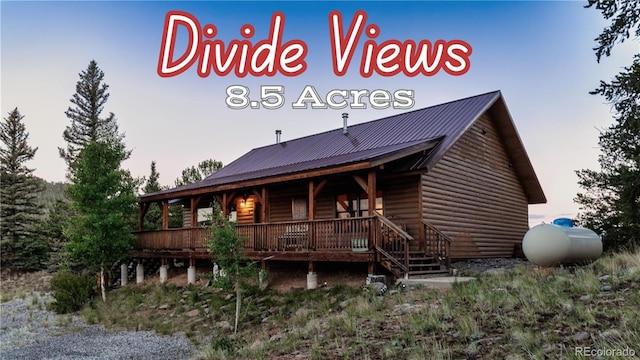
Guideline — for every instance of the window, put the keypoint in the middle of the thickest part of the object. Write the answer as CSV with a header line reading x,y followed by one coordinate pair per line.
x,y
356,205
299,208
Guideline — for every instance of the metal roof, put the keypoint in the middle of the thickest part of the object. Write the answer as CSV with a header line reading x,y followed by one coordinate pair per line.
x,y
363,142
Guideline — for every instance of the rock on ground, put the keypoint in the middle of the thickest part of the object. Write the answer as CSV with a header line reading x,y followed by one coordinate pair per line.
x,y
29,331
479,266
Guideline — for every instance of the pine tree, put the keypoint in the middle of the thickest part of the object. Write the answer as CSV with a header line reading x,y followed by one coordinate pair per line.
x,y
23,248
102,197
86,124
153,218
197,173
611,202
53,228
191,175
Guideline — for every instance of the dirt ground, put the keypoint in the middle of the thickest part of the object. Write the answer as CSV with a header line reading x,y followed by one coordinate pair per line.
x,y
16,284
281,278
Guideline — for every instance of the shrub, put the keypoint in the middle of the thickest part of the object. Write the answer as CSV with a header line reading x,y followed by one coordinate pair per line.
x,y
70,291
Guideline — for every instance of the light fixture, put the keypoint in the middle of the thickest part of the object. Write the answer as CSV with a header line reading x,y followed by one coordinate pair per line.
x,y
244,200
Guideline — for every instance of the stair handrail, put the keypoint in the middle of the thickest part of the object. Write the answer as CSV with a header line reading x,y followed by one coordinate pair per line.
x,y
403,235
394,227
392,259
442,252
435,229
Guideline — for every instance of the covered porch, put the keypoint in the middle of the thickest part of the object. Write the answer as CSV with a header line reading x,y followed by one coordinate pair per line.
x,y
355,238
370,217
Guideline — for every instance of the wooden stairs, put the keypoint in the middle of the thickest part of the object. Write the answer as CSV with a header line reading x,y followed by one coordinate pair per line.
x,y
419,266
394,255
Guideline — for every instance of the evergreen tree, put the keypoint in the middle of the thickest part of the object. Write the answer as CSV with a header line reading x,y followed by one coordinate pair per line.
x,y
53,229
611,202
102,197
153,218
191,175
22,247
197,173
86,124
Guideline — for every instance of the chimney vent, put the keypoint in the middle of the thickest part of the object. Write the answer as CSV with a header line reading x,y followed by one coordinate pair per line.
x,y
345,129
278,133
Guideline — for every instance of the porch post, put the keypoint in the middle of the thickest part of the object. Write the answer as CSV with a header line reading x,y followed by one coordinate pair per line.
x,y
224,204
312,209
142,211
371,196
165,214
312,199
194,212
265,205
371,192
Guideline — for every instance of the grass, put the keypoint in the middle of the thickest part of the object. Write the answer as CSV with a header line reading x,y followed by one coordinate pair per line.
x,y
523,313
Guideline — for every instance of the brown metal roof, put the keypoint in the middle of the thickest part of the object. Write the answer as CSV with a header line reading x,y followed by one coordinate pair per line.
x,y
419,129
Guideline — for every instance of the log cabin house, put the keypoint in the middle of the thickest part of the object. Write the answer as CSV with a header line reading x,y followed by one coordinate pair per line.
x,y
408,193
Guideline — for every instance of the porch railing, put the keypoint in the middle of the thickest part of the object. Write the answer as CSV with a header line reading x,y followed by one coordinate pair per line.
x,y
437,244
173,239
351,234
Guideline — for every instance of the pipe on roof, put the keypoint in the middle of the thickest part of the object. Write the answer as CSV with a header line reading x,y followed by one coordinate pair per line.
x,y
345,129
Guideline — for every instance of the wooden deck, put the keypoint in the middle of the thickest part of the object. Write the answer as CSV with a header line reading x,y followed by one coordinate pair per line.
x,y
351,239
364,239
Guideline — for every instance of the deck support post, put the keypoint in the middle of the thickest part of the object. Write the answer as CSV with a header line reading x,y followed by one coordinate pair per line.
x,y
163,274
139,273
123,275
163,271
191,272
371,266
263,276
312,281
312,277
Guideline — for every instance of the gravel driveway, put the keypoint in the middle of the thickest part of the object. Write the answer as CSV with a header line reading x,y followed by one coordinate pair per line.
x,y
29,331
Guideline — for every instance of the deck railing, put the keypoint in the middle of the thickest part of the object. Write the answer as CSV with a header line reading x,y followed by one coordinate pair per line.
x,y
437,244
173,239
351,234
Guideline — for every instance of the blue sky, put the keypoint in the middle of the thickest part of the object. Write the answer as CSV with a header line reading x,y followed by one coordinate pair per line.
x,y
539,54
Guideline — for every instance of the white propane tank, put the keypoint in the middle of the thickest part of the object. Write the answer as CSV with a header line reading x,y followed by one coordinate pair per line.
x,y
549,245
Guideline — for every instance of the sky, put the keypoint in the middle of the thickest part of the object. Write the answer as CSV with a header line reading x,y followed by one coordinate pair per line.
x,y
538,54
